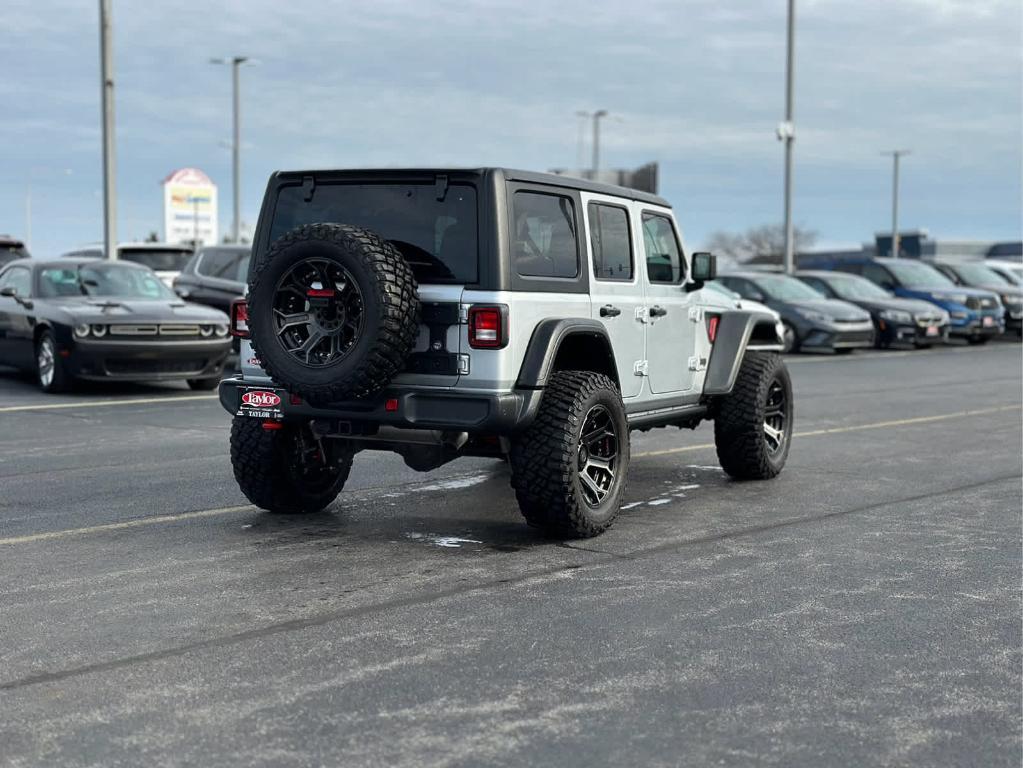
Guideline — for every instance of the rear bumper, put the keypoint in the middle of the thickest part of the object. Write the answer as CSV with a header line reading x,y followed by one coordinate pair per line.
x,y
489,413
147,360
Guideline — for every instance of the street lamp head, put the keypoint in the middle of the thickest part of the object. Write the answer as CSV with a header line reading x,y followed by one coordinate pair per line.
x,y
600,113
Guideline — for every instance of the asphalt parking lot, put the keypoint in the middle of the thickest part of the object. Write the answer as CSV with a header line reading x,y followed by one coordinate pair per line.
x,y
863,608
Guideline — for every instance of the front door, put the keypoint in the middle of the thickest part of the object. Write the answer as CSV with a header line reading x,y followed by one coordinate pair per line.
x,y
616,290
671,330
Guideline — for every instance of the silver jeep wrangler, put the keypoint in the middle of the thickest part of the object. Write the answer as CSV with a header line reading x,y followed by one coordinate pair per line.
x,y
440,313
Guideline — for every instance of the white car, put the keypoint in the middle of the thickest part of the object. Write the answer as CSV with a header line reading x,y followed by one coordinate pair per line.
x,y
1012,271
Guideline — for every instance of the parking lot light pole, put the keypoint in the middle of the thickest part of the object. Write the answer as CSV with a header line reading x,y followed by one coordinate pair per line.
x,y
235,62
109,166
896,154
596,140
787,133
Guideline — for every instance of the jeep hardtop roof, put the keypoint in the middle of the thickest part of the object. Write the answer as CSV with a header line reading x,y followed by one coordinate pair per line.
x,y
509,174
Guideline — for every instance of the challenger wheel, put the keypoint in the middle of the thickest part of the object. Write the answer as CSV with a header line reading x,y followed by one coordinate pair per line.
x,y
569,468
333,312
287,470
753,423
50,373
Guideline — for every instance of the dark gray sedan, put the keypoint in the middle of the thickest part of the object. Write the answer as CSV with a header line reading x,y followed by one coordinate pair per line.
x,y
87,319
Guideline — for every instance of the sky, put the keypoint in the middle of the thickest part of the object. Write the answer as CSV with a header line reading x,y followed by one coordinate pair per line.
x,y
697,85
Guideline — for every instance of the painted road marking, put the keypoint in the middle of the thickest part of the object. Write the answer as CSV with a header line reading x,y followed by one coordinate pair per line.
x,y
145,521
102,403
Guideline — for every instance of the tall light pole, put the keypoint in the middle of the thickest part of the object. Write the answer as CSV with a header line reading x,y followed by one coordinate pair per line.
x,y
109,166
787,133
896,154
235,62
580,161
596,140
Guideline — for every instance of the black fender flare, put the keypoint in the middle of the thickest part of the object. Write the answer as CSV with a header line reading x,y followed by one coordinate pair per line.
x,y
547,338
735,329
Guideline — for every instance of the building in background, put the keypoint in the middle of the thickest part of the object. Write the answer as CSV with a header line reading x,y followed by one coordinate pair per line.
x,y
643,178
189,208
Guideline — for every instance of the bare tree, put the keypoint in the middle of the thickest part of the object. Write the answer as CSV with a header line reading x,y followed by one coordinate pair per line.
x,y
759,245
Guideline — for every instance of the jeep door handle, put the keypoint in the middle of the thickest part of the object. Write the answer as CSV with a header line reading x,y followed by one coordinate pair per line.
x,y
609,311
658,312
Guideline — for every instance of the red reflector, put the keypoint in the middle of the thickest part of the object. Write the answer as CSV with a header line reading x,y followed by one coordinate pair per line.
x,y
320,293
295,400
712,327
391,405
240,318
486,327
272,425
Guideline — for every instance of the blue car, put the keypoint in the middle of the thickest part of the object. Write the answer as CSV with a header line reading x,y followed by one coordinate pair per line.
x,y
975,315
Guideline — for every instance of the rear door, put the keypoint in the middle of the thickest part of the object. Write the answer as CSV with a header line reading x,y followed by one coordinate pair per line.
x,y
16,329
671,330
616,292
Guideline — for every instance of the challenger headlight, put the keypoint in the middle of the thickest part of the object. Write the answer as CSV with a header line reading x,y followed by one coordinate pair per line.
x,y
220,330
206,330
81,330
815,317
896,316
99,331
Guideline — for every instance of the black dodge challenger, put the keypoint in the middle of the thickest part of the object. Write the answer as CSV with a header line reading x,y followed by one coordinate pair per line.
x,y
88,319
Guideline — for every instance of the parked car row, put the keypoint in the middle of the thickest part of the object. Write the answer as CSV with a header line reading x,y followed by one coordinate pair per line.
x,y
845,304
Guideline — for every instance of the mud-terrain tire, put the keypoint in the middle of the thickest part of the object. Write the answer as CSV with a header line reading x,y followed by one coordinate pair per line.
x,y
382,293
546,460
745,448
284,470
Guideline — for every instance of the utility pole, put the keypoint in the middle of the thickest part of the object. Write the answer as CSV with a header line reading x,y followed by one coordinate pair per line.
x,y
109,165
596,140
787,133
896,154
235,62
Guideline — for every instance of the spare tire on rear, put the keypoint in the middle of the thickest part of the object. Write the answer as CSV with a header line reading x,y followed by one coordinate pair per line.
x,y
333,312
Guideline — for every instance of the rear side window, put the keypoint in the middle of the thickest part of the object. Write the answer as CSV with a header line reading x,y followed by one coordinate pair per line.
x,y
544,240
169,259
610,241
224,264
18,278
437,237
876,274
663,255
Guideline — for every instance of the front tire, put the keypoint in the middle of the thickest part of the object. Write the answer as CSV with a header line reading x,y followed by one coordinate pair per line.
x,y
753,424
203,385
569,468
790,339
50,374
287,470
977,340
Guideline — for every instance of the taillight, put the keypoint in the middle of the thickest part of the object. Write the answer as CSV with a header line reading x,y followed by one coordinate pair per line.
x,y
712,327
488,327
240,318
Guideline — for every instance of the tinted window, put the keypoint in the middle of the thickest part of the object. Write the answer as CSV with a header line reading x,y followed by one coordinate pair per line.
x,y
169,260
913,274
817,284
663,256
436,237
544,235
224,263
785,288
611,242
18,278
876,274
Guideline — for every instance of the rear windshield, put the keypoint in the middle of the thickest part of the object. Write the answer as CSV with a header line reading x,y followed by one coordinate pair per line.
x,y
170,259
224,263
437,237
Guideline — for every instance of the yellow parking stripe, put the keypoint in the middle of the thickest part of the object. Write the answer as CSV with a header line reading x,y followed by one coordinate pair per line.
x,y
102,403
157,520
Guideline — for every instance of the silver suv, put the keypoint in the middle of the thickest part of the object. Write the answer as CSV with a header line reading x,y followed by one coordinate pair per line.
x,y
490,312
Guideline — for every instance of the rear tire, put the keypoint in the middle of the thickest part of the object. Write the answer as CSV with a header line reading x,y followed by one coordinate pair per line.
x,y
977,340
50,374
569,468
203,385
285,470
753,424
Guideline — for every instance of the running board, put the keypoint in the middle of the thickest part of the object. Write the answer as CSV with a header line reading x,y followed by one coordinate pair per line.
x,y
662,417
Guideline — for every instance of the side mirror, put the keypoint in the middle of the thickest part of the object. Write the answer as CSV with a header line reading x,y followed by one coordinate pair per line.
x,y
9,292
756,296
704,268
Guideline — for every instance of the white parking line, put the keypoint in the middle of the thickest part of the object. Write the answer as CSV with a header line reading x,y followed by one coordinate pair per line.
x,y
146,521
104,403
